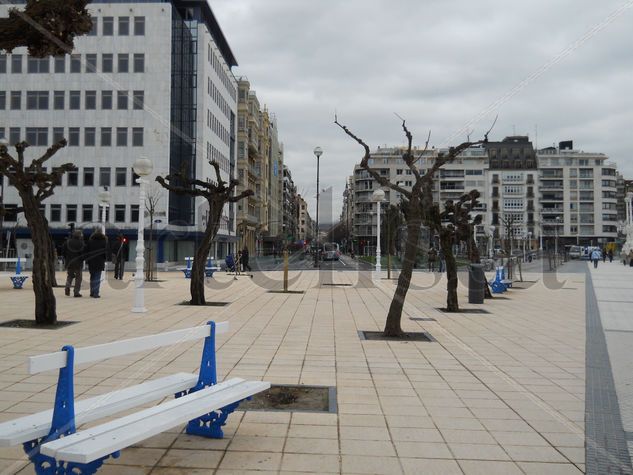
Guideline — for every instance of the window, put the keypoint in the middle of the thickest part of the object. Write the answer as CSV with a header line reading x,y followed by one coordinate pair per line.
x,y
107,63
106,100
37,100
73,137
139,26
89,177
95,27
71,213
16,100
37,136
134,213
108,26
123,62
91,100
58,100
139,62
16,63
138,101
86,213
137,136
58,134
124,25
90,136
119,213
120,176
73,177
60,64
3,100
121,137
37,65
14,135
56,213
3,63
106,136
75,63
104,176
74,100
11,213
91,63
121,100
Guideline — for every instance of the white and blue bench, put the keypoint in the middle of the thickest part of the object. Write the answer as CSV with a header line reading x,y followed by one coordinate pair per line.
x,y
209,269
50,438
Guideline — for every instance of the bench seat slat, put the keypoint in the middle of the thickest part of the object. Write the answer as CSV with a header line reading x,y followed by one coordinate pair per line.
x,y
89,354
38,425
99,441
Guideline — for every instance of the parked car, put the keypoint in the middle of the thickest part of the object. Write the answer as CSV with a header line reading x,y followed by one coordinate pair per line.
x,y
575,252
331,251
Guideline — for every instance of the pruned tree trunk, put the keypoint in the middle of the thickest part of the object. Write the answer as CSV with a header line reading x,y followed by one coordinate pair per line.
x,y
202,253
43,274
452,302
393,326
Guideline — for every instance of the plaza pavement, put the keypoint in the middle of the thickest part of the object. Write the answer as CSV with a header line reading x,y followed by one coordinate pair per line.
x,y
495,393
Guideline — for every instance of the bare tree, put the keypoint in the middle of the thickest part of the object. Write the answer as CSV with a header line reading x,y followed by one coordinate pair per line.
x,y
217,195
34,184
417,199
454,225
45,27
154,194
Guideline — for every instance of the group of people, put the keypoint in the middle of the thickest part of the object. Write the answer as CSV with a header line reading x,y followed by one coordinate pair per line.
x,y
605,254
240,263
434,256
95,253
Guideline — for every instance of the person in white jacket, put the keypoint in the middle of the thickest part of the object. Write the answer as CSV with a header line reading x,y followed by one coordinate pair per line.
x,y
596,255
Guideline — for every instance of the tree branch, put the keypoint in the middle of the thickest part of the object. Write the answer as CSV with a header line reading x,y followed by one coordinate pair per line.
x,y
181,190
408,157
52,150
242,195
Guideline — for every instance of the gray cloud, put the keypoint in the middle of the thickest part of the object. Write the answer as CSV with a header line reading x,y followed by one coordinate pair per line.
x,y
439,64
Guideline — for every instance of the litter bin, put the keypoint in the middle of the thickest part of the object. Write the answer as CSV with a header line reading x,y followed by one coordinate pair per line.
x,y
476,283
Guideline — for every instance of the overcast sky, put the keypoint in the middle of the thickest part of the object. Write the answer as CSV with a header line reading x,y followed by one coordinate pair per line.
x,y
563,68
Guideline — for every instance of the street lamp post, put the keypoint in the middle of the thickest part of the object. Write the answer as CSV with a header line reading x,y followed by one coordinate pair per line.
x,y
318,151
378,196
492,242
556,240
104,201
4,144
142,167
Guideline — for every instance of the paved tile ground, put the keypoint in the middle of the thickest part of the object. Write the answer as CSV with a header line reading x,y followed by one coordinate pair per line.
x,y
497,393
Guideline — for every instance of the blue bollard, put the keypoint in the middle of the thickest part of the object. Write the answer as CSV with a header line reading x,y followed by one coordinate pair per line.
x,y
17,279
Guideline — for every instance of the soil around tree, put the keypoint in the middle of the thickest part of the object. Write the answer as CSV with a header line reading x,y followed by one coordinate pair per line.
x,y
293,398
406,336
286,291
33,325
465,310
207,304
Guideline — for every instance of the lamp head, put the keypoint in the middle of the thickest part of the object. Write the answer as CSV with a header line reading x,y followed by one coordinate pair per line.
x,y
143,166
378,195
318,151
104,196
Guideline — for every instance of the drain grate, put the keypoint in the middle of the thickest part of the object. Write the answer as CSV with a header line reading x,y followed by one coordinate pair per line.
x,y
297,397
422,319
408,336
207,304
32,324
337,285
286,292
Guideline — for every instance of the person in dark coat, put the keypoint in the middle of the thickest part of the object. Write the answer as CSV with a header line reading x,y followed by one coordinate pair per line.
x,y
245,265
74,254
96,256
119,251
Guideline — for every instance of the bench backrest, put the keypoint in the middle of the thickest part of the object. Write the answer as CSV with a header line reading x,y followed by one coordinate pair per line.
x,y
89,354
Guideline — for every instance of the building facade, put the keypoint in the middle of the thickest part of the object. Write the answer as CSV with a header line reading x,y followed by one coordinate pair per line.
x,y
152,79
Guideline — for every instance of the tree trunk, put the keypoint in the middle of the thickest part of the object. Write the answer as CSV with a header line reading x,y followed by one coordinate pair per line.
x,y
452,303
43,274
202,253
393,326
53,257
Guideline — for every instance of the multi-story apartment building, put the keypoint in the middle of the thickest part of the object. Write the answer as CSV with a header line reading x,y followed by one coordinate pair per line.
x,y
525,195
578,195
259,168
289,225
152,79
304,222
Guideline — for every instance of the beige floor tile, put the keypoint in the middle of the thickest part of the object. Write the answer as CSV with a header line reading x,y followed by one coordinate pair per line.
x,y
367,447
422,450
310,431
467,436
478,452
311,446
203,459
549,468
488,467
364,433
256,444
370,465
430,467
534,454
310,463
139,457
251,461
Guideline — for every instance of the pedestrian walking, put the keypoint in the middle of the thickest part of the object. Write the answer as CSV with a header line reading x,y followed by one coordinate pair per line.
x,y
610,253
595,257
74,251
604,255
431,258
119,251
96,257
245,260
442,258
631,258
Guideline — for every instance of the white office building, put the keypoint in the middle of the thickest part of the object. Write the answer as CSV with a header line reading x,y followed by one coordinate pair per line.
x,y
152,79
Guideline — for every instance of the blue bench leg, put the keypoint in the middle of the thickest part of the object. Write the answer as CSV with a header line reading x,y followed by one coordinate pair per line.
x,y
210,425
45,465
